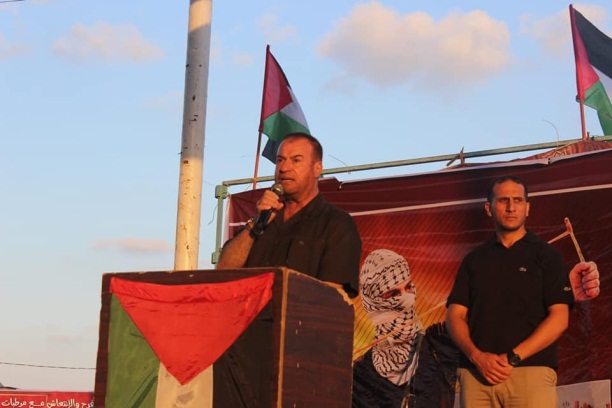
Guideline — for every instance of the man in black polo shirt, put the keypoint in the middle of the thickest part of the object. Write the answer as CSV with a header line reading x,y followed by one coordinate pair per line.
x,y
507,309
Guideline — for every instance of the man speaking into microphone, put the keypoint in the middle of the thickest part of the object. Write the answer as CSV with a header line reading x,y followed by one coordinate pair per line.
x,y
294,226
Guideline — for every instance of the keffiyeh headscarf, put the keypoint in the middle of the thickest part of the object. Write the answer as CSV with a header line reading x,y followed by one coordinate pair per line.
x,y
394,318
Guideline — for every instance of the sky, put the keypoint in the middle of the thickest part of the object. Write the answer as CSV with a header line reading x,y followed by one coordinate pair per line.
x,y
91,118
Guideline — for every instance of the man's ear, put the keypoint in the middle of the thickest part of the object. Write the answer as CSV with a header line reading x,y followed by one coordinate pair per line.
x,y
487,208
527,209
318,167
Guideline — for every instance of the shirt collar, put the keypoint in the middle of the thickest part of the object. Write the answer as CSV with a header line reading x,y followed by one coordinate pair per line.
x,y
529,237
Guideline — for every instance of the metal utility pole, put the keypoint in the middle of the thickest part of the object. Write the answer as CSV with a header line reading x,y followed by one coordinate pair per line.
x,y
199,390
192,149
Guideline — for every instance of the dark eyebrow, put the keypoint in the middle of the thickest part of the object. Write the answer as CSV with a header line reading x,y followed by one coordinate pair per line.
x,y
291,157
510,197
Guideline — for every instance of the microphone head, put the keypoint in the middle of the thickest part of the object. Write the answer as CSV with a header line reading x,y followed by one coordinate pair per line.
x,y
278,189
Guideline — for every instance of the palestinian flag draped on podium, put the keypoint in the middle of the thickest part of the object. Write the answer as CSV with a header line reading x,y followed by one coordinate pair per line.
x,y
163,338
281,113
593,54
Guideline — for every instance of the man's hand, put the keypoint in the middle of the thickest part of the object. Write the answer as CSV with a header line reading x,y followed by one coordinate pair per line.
x,y
269,201
584,278
494,368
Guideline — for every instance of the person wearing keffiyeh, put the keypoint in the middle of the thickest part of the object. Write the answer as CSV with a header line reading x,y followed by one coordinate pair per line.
x,y
406,366
388,296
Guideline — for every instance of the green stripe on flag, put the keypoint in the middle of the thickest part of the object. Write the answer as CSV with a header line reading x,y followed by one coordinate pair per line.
x,y
278,125
132,365
597,98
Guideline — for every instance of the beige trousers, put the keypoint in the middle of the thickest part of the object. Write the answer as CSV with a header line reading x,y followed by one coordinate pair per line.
x,y
527,387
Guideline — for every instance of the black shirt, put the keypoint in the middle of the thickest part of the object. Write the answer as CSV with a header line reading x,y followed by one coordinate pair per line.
x,y
508,291
320,240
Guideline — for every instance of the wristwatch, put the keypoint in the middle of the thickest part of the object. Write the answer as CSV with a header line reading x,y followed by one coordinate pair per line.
x,y
513,359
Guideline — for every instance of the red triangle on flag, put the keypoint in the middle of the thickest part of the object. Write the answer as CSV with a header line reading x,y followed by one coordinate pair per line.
x,y
190,326
585,74
276,88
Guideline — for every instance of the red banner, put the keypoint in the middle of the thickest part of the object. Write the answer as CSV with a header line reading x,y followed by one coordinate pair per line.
x,y
434,219
45,399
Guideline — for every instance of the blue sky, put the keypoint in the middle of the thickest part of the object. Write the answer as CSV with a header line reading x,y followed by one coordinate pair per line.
x,y
91,119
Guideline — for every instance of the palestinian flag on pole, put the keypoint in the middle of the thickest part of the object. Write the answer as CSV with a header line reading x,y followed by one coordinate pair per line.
x,y
162,338
593,54
281,113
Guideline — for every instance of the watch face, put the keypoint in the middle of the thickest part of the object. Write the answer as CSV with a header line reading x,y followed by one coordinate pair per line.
x,y
514,359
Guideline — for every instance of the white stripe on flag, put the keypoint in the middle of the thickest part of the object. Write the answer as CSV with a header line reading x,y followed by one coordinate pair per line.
x,y
294,111
606,82
195,394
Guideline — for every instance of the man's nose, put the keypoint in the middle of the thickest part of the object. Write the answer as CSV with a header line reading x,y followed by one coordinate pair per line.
x,y
283,166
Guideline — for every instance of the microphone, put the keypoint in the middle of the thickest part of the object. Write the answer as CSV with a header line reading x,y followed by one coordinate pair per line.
x,y
264,216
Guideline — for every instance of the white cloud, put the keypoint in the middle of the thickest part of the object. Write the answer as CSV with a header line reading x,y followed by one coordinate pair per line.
x,y
273,31
553,32
8,50
387,48
103,41
136,245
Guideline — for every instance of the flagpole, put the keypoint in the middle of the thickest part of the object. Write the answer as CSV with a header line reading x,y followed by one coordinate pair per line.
x,y
261,118
580,89
582,120
257,161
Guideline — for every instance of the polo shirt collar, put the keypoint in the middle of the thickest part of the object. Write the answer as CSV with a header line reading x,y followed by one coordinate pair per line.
x,y
529,237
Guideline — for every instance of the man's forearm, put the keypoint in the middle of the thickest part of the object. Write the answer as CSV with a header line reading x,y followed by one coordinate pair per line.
x,y
236,251
546,333
459,331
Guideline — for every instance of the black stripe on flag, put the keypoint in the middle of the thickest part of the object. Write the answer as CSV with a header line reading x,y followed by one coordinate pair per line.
x,y
598,45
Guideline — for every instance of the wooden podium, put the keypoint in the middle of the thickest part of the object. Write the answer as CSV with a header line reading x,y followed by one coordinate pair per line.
x,y
296,353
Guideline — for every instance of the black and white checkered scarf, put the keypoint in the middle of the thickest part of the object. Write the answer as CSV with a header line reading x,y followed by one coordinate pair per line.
x,y
395,320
